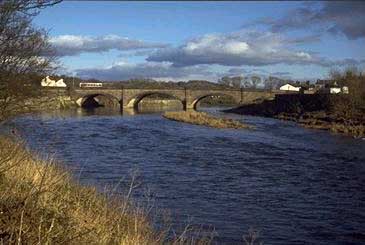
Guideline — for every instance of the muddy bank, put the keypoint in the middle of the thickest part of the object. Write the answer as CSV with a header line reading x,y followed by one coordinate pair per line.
x,y
326,121
310,111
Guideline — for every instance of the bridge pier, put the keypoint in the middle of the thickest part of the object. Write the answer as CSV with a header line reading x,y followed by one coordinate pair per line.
x,y
188,104
126,105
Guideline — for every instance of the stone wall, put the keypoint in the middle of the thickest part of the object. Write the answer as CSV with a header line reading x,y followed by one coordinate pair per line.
x,y
44,103
50,99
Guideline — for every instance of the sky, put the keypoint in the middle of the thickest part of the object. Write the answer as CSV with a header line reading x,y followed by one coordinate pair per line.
x,y
117,40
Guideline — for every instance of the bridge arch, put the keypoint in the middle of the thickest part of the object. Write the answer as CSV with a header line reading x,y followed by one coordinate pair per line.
x,y
91,100
134,101
199,98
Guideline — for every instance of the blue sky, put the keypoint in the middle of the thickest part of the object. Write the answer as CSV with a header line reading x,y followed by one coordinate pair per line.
x,y
205,40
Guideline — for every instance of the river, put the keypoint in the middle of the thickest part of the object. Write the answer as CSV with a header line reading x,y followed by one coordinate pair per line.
x,y
294,185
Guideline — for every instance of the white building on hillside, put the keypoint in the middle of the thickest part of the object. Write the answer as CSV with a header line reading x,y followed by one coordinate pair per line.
x,y
48,82
335,90
289,87
345,90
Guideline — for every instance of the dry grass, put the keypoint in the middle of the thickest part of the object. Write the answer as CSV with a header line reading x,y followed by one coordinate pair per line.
x,y
41,204
202,118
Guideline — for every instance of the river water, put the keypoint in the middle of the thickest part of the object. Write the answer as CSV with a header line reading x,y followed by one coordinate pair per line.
x,y
294,185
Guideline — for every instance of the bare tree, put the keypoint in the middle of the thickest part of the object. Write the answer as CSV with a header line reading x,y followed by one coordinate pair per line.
x,y
246,82
24,51
256,80
273,82
226,81
352,105
237,81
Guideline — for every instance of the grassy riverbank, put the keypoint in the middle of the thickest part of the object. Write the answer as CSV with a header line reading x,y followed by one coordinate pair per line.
x,y
202,118
40,203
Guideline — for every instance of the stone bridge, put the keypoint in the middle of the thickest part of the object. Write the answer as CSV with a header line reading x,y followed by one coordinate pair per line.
x,y
129,98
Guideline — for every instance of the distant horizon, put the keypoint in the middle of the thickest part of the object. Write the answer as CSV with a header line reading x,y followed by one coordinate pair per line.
x,y
261,84
173,41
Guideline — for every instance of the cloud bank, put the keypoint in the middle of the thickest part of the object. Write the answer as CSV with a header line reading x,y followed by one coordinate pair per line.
x,y
235,52
251,48
334,17
71,45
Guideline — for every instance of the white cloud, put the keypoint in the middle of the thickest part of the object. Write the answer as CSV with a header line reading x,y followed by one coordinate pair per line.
x,y
304,55
250,48
70,45
215,44
235,49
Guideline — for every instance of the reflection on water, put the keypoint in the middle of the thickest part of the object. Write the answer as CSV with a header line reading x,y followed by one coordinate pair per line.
x,y
104,111
151,106
298,186
143,109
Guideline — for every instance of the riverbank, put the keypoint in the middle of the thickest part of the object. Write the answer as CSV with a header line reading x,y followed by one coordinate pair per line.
x,y
202,118
46,102
41,203
310,111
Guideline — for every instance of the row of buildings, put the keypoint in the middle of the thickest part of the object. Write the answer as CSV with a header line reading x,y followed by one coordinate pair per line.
x,y
321,86
48,82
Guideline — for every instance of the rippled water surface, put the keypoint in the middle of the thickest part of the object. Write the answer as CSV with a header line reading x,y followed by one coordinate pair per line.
x,y
297,186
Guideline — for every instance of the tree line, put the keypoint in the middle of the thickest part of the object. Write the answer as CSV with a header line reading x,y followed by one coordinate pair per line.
x,y
254,81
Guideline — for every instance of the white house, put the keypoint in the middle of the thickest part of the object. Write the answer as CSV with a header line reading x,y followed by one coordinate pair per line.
x,y
345,90
335,90
48,82
289,87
